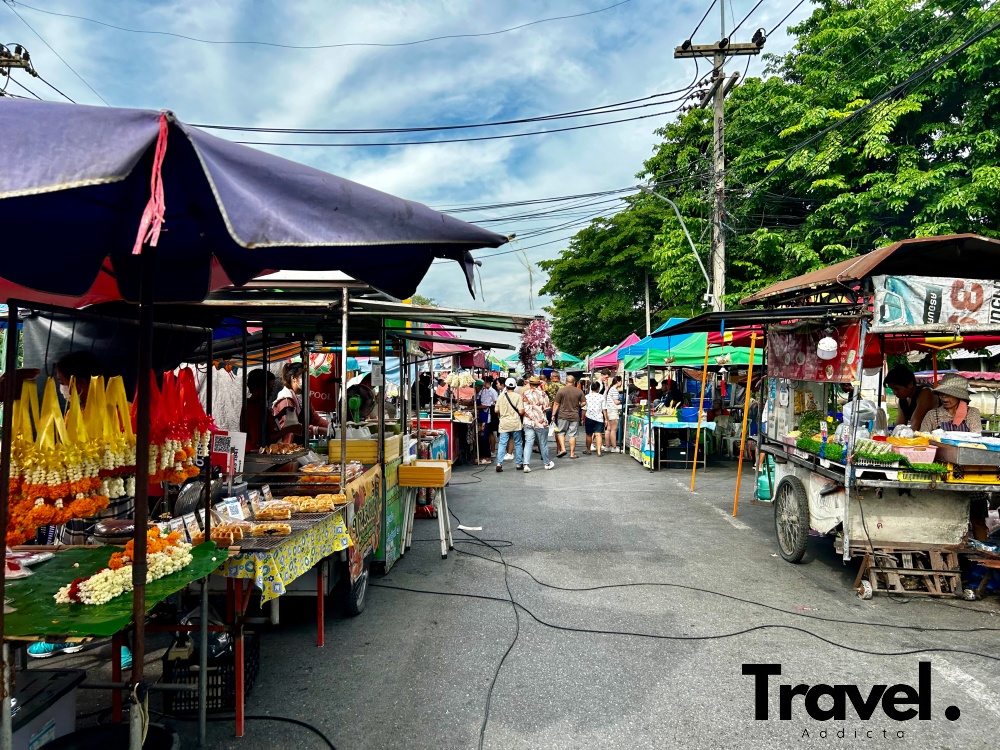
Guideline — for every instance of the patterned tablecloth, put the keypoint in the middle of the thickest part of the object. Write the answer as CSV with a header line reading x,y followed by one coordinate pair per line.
x,y
272,570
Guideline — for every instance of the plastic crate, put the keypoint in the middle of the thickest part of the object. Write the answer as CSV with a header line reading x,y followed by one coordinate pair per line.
x,y
906,475
917,454
974,475
221,679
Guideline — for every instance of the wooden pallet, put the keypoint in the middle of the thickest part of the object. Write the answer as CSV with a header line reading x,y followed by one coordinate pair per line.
x,y
935,570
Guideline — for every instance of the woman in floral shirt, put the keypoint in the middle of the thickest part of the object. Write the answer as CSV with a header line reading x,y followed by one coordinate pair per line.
x,y
536,424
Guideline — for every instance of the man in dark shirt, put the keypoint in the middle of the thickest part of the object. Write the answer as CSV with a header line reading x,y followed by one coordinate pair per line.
x,y
566,409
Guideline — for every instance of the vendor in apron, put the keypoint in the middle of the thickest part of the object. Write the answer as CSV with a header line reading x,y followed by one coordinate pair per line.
x,y
914,400
954,414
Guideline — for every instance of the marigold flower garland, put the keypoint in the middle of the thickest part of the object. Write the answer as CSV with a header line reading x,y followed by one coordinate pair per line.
x,y
71,467
164,555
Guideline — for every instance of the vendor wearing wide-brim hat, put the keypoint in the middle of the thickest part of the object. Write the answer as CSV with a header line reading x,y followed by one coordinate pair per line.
x,y
954,414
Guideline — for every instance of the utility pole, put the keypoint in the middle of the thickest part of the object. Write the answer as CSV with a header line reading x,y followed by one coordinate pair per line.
x,y
19,58
648,327
717,93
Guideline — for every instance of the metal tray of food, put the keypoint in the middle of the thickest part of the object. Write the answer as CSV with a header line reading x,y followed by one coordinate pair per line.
x,y
266,461
965,456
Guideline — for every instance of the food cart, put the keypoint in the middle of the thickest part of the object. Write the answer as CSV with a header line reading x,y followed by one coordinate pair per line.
x,y
901,505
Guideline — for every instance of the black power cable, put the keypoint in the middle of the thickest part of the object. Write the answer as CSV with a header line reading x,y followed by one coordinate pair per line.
x,y
318,46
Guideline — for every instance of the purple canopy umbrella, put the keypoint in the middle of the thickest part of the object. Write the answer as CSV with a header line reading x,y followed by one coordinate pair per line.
x,y
76,183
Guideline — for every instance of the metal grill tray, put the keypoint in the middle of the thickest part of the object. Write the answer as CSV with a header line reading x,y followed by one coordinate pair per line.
x,y
965,456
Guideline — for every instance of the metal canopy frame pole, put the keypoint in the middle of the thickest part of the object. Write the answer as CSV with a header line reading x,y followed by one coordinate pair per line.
x,y
701,410
381,406
852,445
649,421
743,433
265,416
203,621
139,564
306,411
343,388
9,395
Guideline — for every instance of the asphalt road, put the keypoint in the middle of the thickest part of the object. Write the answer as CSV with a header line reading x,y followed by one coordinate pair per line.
x,y
662,665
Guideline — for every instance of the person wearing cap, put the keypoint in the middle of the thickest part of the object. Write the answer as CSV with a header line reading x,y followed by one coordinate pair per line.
x,y
485,399
954,414
510,408
536,424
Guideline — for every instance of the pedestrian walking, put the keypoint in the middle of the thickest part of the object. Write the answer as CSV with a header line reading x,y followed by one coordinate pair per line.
x,y
566,407
510,409
536,425
485,398
596,418
612,406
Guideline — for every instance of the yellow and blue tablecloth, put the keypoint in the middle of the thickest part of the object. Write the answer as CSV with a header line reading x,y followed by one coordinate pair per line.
x,y
273,570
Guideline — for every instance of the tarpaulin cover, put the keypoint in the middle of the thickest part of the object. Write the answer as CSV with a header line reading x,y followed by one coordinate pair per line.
x,y
651,342
75,181
610,359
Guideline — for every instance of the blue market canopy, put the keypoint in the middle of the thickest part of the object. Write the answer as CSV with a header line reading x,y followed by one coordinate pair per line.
x,y
78,184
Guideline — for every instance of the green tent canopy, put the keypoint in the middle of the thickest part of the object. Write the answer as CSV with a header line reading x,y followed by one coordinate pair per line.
x,y
561,357
691,353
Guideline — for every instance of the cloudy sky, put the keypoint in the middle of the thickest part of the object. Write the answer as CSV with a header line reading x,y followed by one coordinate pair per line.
x,y
618,54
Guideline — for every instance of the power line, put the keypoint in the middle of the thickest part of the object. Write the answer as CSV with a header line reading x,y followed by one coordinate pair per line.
x,y
587,112
21,85
709,10
64,96
14,11
320,46
730,34
787,15
461,140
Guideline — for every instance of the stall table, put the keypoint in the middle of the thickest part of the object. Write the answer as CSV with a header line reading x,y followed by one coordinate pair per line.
x,y
654,453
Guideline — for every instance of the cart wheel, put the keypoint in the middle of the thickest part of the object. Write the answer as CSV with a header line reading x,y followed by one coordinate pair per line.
x,y
865,590
969,595
355,594
791,518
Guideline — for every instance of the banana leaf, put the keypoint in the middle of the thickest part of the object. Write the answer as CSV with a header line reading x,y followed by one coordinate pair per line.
x,y
38,614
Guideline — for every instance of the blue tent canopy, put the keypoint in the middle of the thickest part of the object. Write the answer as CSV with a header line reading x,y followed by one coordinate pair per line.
x,y
75,186
649,343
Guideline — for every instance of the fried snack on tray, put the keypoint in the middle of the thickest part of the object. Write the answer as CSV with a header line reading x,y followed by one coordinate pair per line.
x,y
222,539
275,510
321,473
281,449
321,503
272,529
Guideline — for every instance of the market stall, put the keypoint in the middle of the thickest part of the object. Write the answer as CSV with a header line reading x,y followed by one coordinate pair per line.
x,y
897,498
123,176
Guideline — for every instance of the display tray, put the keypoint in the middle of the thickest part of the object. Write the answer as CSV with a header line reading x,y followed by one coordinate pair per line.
x,y
425,473
952,454
38,614
253,462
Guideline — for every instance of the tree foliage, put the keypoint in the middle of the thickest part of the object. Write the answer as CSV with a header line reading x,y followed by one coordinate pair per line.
x,y
801,194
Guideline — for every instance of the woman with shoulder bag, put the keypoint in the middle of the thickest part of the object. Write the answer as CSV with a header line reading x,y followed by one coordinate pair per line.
x,y
612,404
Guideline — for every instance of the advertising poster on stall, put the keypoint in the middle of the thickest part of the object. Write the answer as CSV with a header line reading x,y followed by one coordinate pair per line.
x,y
918,301
792,355
638,440
365,495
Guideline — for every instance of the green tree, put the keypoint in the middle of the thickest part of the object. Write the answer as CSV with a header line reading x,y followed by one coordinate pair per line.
x,y
816,172
419,299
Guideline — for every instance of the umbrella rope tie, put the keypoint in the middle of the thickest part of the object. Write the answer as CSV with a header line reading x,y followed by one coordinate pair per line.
x,y
153,215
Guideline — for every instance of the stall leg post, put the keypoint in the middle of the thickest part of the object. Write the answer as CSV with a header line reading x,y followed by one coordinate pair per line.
x,y
139,564
116,676
9,394
343,389
743,432
203,622
701,409
320,601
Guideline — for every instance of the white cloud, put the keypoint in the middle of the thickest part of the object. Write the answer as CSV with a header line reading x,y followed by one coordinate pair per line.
x,y
564,65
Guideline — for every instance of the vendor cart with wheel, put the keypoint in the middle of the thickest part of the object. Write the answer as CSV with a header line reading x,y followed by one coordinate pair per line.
x,y
899,501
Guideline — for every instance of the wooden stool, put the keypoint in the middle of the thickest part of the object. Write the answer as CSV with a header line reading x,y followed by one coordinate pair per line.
x,y
430,475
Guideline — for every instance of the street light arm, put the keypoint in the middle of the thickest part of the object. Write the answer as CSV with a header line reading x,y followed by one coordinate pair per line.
x,y
708,282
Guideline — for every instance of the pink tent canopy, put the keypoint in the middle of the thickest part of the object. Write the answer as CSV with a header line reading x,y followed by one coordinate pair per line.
x,y
610,359
443,346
